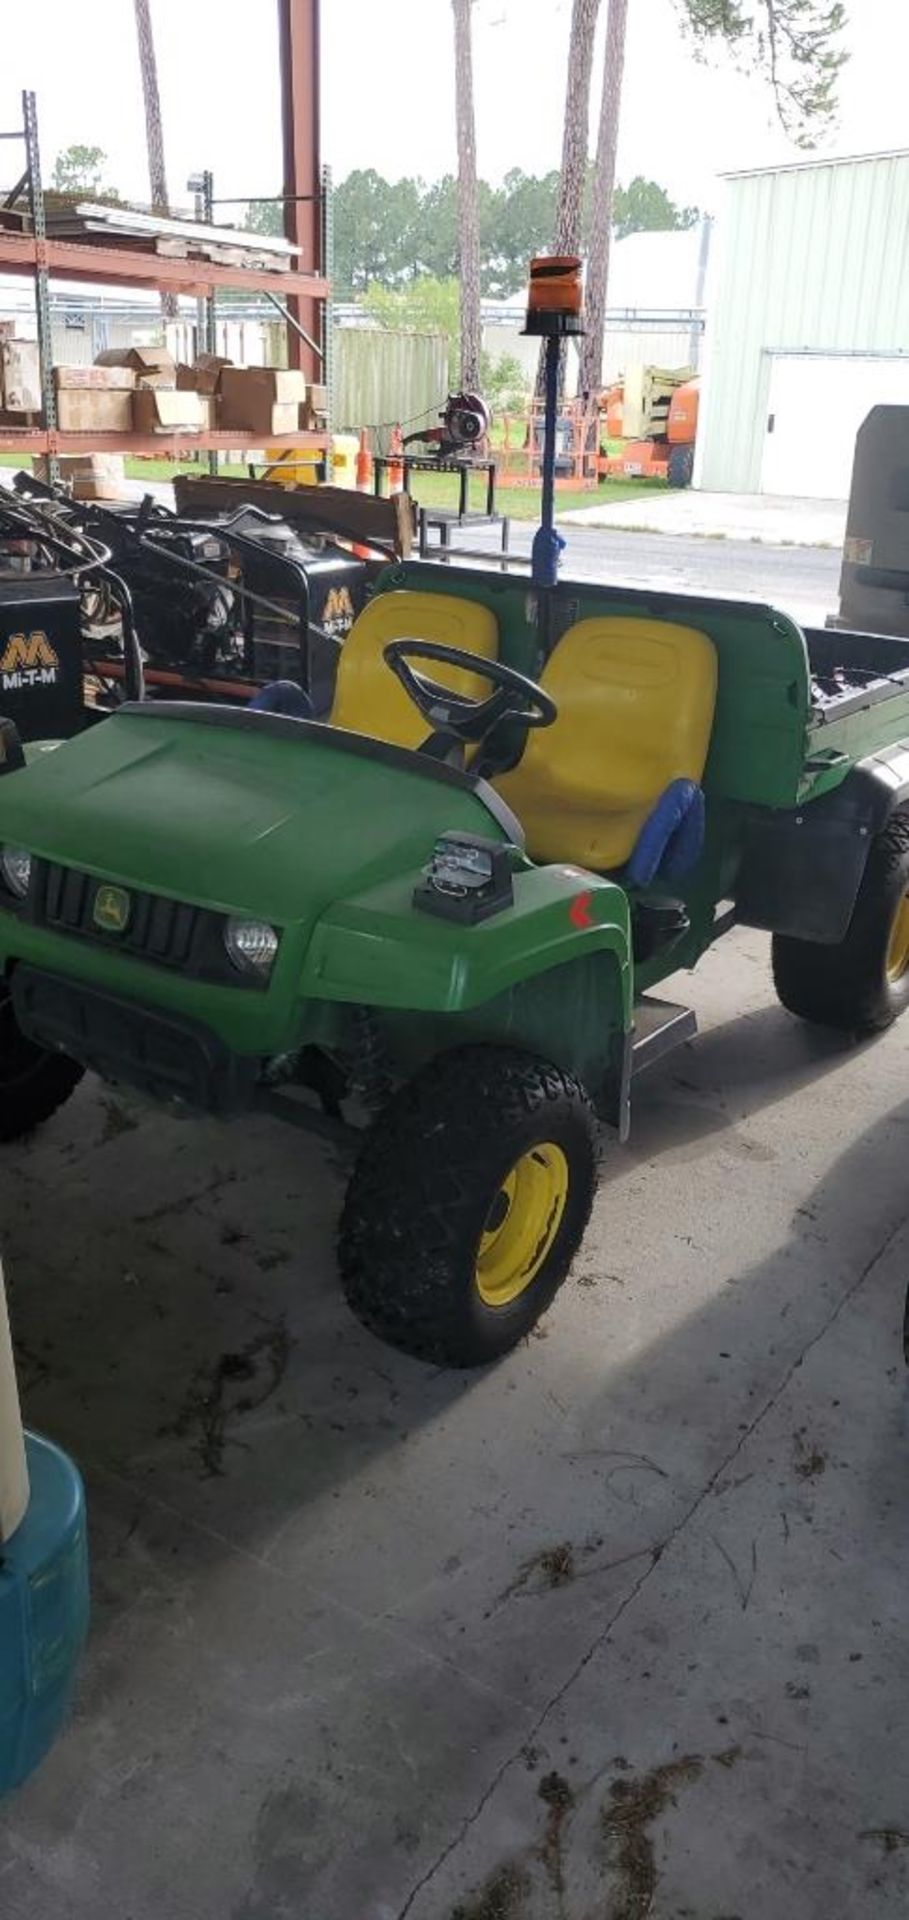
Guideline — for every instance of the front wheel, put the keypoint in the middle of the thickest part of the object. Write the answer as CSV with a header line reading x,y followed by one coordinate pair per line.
x,y
680,466
468,1204
33,1082
862,983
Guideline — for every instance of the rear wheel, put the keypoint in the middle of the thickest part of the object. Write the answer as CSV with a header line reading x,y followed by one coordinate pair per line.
x,y
862,983
468,1204
33,1082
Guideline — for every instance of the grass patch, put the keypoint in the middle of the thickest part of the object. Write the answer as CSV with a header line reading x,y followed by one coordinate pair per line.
x,y
139,469
523,503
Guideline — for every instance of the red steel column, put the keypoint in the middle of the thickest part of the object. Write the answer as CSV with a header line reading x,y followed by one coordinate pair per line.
x,y
298,27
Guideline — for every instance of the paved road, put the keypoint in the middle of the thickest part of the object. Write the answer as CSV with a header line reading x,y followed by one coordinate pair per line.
x,y
803,581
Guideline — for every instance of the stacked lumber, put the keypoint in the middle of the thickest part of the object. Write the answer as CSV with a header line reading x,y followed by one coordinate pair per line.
x,y
94,223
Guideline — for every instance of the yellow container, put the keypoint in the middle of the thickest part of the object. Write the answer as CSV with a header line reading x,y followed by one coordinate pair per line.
x,y
294,467
344,450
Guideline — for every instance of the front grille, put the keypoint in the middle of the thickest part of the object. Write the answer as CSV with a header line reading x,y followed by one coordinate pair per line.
x,y
161,930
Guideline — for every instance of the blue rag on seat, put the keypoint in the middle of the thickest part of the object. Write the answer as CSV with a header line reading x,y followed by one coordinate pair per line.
x,y
283,696
672,837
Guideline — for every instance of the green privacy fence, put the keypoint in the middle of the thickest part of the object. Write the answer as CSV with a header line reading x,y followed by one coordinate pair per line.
x,y
382,377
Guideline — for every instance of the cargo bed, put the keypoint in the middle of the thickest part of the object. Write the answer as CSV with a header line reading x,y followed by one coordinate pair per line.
x,y
859,694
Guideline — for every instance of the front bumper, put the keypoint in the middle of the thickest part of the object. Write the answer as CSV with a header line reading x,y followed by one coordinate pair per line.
x,y
169,1057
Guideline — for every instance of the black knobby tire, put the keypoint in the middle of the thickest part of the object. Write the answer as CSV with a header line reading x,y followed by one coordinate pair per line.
x,y
847,985
431,1171
680,466
33,1082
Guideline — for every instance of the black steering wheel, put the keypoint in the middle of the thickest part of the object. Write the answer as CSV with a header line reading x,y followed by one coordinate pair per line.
x,y
454,718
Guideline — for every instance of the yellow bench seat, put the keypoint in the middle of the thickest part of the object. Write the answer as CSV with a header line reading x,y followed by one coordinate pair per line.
x,y
636,700
368,697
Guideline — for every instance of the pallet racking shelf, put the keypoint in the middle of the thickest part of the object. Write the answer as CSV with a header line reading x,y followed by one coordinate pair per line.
x,y
41,257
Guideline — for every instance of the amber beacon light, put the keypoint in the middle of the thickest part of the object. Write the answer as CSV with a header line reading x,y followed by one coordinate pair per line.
x,y
555,302
555,295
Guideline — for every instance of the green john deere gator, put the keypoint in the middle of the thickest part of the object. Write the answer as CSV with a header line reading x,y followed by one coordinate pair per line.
x,y
434,924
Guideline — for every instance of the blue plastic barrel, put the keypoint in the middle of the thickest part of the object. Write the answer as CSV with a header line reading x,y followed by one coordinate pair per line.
x,y
43,1611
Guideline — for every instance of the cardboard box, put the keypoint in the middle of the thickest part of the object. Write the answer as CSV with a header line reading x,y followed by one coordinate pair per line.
x,y
20,376
164,410
212,362
94,410
276,423
92,476
208,403
252,397
152,364
204,376
314,414
86,379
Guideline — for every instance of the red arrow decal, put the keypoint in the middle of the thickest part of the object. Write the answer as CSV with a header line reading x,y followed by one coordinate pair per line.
x,y
579,911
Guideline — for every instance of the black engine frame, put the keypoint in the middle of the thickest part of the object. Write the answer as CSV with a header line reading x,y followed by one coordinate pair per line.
x,y
101,602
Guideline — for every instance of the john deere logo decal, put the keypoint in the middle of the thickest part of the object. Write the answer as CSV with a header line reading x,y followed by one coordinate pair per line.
x,y
28,660
111,909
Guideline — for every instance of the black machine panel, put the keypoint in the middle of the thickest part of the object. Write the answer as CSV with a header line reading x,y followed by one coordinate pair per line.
x,y
231,603
98,603
40,654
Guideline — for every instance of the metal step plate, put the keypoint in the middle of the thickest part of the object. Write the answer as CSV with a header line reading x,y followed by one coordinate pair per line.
x,y
659,1026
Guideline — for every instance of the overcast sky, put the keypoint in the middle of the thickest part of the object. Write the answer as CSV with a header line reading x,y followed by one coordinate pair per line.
x,y
387,90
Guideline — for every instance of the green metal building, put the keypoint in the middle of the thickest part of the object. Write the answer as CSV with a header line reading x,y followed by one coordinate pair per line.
x,y
808,322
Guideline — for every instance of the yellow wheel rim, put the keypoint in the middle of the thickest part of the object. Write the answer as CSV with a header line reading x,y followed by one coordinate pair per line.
x,y
898,945
522,1224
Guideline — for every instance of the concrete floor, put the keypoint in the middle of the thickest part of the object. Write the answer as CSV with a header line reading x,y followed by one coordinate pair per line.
x,y
614,1630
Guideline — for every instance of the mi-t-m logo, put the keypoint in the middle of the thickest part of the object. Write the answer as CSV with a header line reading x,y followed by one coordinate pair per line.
x,y
337,613
28,660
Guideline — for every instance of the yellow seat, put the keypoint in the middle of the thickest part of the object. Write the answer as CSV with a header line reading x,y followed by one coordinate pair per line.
x,y
369,699
636,700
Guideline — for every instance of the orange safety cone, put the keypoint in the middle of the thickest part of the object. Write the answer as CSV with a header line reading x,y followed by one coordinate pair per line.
x,y
396,467
364,463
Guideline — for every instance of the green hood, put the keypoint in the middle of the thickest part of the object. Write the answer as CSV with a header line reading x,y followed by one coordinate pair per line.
x,y
242,813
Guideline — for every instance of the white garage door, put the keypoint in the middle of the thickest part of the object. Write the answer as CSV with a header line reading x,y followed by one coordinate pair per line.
x,y
817,404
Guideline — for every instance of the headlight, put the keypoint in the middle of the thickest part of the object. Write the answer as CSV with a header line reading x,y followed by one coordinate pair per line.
x,y
251,945
16,868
